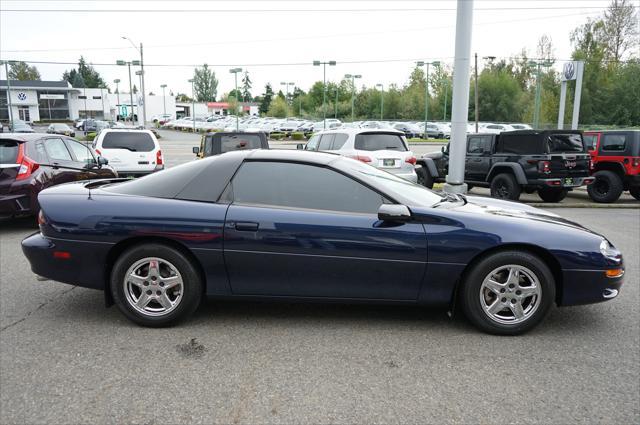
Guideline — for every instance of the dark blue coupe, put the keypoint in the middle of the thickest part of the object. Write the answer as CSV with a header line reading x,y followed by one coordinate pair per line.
x,y
311,226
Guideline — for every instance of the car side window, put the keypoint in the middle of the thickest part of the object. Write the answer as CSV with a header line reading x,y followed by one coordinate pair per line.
x,y
36,152
293,185
613,142
590,141
312,144
339,140
81,152
476,145
56,149
326,140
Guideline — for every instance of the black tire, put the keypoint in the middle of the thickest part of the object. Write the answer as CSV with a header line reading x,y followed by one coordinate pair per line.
x,y
424,177
470,186
192,288
548,194
635,192
505,186
472,288
607,187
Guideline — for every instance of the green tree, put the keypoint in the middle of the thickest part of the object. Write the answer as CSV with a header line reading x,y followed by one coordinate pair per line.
x,y
23,72
621,29
266,99
78,81
205,84
278,108
90,76
246,87
500,95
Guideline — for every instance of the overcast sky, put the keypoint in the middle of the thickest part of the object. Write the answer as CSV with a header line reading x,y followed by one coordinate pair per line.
x,y
264,36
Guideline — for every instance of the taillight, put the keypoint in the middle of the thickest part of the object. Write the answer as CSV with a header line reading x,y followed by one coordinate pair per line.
x,y
635,162
98,152
159,157
41,219
361,158
544,167
411,160
27,165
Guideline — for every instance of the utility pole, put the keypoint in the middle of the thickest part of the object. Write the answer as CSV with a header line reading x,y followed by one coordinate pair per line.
x,y
117,81
446,94
144,99
460,104
130,92
6,70
336,104
193,105
235,71
536,108
164,100
353,91
324,88
287,96
381,101
475,91
426,93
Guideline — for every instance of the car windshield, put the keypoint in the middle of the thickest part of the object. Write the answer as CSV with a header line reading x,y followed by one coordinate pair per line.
x,y
565,143
379,142
135,141
392,185
8,151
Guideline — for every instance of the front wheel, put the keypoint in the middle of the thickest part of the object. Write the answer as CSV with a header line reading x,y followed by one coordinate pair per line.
x,y
508,293
552,194
424,177
155,285
505,186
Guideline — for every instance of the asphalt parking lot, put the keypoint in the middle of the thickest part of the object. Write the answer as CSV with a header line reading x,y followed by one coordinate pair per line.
x,y
65,358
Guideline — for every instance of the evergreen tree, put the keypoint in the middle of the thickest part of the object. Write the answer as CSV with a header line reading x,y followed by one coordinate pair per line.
x,y
246,87
266,99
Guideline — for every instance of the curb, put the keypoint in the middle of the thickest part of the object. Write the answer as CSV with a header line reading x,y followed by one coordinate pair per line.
x,y
581,205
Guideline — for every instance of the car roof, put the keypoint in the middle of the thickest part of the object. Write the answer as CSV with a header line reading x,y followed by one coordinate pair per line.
x,y
23,137
312,157
357,130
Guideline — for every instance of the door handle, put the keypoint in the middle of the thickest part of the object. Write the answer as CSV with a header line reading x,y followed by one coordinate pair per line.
x,y
246,226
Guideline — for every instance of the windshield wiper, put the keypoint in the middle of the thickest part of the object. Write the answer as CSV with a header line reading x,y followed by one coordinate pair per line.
x,y
125,147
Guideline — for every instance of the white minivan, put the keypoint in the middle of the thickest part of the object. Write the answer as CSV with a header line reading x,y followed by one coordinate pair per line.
x,y
131,152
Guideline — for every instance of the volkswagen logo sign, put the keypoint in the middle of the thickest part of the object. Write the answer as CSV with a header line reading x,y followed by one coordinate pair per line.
x,y
569,71
22,96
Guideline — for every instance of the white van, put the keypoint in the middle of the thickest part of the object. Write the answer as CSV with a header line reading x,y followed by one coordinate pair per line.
x,y
130,152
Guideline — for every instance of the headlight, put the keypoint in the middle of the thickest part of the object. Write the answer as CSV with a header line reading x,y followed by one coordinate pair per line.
x,y
609,251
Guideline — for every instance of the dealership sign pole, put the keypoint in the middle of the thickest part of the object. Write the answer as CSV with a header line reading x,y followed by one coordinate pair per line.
x,y
460,103
571,71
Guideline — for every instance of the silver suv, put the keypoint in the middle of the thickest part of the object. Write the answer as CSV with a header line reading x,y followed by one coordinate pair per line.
x,y
384,149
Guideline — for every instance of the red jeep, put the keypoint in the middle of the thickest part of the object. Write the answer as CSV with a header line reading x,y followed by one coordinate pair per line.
x,y
615,157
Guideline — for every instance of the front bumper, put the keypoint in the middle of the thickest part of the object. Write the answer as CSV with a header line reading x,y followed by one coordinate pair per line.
x,y
588,287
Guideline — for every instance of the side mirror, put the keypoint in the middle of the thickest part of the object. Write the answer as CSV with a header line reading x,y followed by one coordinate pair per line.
x,y
300,146
195,150
102,161
394,212
442,149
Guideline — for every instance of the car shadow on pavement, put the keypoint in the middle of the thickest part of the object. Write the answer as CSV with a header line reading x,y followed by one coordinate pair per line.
x,y
22,223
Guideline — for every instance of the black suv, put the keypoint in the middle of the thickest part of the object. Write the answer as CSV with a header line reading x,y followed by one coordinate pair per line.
x,y
551,162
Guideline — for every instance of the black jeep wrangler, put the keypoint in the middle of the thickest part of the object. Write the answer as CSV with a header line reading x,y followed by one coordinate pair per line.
x,y
551,162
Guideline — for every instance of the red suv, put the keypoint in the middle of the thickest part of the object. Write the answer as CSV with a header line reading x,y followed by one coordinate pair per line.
x,y
615,157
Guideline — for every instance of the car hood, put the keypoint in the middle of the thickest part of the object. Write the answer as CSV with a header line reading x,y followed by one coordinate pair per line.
x,y
499,208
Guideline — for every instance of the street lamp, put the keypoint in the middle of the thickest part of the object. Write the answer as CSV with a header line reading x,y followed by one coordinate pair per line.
x,y
336,104
140,74
381,100
144,102
235,72
426,96
536,109
117,81
6,70
324,88
129,63
353,90
287,96
446,94
164,100
193,105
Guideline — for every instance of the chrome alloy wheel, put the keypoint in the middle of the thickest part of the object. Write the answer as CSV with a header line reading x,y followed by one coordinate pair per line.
x,y
153,286
510,294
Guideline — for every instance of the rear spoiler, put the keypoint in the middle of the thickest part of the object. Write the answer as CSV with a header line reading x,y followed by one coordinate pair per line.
x,y
92,184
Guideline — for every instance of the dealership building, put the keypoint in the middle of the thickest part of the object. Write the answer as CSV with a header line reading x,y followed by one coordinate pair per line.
x,y
35,101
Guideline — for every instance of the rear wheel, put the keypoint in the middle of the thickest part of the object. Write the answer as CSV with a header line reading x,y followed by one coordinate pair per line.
x,y
505,186
424,177
155,285
508,293
635,192
548,194
606,188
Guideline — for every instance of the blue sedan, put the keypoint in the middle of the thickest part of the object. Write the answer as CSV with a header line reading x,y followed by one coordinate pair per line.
x,y
310,226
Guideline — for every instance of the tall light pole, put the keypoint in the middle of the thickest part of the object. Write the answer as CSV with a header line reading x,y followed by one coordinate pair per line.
x,y
536,110
426,93
164,100
336,104
140,75
460,99
353,91
193,105
129,63
446,94
117,81
144,100
324,88
287,96
235,71
381,100
6,70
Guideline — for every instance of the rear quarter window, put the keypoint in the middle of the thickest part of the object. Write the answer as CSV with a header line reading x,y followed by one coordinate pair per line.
x,y
133,141
590,141
379,141
8,151
521,144
613,142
